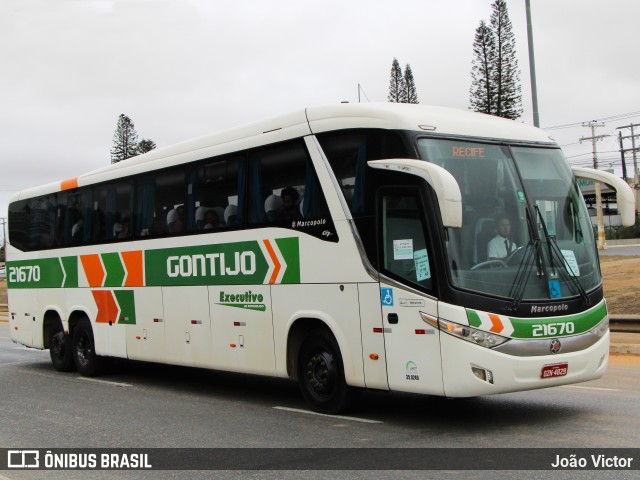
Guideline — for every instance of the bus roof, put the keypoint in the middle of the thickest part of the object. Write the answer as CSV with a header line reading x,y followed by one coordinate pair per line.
x,y
393,116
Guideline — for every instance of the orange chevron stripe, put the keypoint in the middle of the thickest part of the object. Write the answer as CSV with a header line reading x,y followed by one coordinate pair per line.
x,y
107,306
276,262
93,269
497,323
133,263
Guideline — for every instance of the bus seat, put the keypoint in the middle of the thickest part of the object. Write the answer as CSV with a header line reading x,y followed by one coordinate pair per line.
x,y
484,232
272,206
219,213
231,215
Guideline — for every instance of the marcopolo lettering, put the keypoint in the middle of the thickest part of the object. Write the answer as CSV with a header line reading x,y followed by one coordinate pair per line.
x,y
549,308
211,264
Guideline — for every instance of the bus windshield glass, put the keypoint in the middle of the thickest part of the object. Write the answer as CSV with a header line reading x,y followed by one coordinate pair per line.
x,y
525,232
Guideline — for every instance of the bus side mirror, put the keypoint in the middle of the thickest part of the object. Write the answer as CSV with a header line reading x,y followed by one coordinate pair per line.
x,y
443,183
626,201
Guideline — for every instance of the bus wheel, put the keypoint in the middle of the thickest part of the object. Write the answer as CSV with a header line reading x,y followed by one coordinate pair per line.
x,y
60,349
84,353
321,374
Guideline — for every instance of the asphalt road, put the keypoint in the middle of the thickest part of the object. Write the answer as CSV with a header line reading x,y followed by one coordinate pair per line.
x,y
149,405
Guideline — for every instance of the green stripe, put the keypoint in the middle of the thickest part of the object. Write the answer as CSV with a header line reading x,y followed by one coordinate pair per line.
x,y
550,327
115,270
127,306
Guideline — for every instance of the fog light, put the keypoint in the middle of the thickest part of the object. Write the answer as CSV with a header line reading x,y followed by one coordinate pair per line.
x,y
483,374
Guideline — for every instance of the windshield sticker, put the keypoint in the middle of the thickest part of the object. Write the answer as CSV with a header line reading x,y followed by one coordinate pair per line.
x,y
521,197
386,295
570,262
421,259
411,371
411,302
554,288
403,249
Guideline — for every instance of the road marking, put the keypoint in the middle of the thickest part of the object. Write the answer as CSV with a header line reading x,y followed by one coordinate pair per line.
x,y
592,388
339,417
106,382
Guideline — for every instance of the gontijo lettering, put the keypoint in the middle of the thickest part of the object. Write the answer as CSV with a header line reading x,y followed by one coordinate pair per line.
x,y
211,264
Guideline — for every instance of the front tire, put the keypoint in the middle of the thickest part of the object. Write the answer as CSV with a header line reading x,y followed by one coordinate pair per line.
x,y
87,362
60,349
321,374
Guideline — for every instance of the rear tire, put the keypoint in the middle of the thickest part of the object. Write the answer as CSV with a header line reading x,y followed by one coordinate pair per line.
x,y
321,374
87,362
60,349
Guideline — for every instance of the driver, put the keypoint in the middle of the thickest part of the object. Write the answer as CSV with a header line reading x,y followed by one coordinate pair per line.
x,y
501,246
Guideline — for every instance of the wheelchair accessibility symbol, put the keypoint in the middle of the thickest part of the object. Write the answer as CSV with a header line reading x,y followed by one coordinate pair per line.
x,y
386,294
554,289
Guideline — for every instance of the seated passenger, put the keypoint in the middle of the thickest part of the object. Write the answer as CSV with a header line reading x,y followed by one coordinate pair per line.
x,y
125,231
175,224
211,220
289,209
77,230
501,246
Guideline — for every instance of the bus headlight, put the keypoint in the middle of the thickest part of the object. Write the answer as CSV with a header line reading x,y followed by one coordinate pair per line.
x,y
470,334
600,329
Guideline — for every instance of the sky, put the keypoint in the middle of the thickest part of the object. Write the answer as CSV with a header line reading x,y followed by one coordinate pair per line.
x,y
184,68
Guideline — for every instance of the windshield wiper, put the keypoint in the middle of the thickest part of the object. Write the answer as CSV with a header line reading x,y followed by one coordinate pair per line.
x,y
555,252
520,281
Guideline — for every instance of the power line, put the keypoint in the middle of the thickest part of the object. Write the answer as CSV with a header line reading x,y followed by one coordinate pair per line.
x,y
620,116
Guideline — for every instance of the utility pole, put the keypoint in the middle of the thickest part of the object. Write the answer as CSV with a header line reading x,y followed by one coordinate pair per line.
x,y
3,222
532,68
624,163
635,178
594,138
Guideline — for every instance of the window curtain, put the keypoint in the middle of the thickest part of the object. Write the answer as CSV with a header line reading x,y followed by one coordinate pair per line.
x,y
36,219
312,204
257,215
145,207
357,204
191,201
112,195
87,210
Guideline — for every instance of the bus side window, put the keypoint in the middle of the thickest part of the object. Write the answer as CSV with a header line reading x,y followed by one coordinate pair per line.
x,y
405,253
283,186
212,190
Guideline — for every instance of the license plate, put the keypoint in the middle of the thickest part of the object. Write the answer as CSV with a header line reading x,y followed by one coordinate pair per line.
x,y
556,370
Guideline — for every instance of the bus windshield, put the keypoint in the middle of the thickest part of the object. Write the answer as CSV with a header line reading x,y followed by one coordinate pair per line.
x,y
525,233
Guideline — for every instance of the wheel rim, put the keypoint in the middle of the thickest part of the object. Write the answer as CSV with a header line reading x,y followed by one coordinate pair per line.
x,y
58,345
83,348
320,374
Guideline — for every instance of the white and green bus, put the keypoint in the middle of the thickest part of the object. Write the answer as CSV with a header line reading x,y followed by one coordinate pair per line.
x,y
347,247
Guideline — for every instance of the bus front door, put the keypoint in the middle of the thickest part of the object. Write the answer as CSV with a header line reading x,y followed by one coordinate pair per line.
x,y
412,346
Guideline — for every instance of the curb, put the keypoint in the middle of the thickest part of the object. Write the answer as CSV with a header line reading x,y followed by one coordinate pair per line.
x,y
624,349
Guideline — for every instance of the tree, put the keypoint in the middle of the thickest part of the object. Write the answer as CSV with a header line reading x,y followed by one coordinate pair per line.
x,y
125,140
410,93
145,145
507,75
495,87
482,86
396,83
